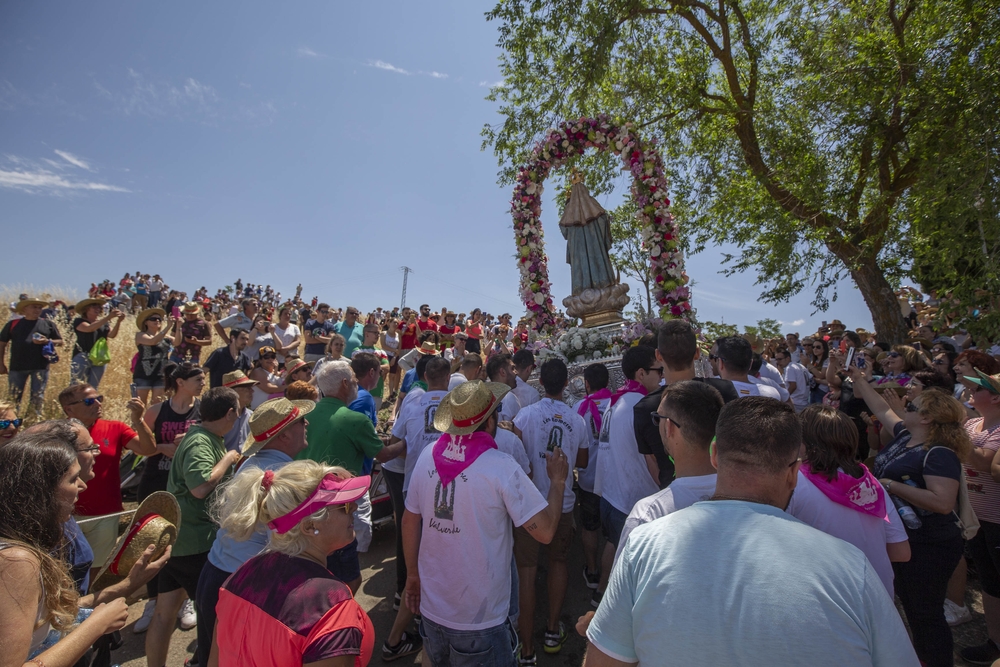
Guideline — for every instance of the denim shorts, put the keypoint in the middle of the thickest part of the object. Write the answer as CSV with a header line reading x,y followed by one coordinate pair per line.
x,y
491,647
146,383
613,522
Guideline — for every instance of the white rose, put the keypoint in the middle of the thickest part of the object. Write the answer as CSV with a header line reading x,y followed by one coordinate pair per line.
x,y
540,299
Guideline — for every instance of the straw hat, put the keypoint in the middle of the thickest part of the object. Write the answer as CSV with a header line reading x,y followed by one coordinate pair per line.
x,y
467,406
427,347
237,379
141,318
293,364
270,419
756,344
25,302
192,307
156,521
82,306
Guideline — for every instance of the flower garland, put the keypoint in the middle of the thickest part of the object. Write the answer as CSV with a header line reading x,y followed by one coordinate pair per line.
x,y
649,190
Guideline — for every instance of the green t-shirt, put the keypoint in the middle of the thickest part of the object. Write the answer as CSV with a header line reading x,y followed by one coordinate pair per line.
x,y
194,459
338,436
379,390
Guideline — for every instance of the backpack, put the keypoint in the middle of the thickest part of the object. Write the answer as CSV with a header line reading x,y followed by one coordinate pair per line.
x,y
965,516
99,354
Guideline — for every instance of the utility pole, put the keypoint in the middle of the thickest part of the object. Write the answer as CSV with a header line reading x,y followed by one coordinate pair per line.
x,y
406,274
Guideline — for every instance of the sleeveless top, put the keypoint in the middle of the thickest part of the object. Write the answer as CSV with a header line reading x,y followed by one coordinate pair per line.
x,y
475,331
149,365
392,341
168,424
42,631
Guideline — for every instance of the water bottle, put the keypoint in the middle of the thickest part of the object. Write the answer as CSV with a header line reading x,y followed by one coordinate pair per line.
x,y
906,513
918,510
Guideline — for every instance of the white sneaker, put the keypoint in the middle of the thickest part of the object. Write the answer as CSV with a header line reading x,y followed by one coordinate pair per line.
x,y
147,616
187,615
956,615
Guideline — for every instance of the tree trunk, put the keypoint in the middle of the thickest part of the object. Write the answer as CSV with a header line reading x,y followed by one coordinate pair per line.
x,y
881,300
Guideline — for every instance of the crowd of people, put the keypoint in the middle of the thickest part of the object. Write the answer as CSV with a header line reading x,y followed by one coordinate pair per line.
x,y
739,501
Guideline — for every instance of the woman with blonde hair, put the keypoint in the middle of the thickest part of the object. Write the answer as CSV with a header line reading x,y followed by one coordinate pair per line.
x,y
308,509
39,485
334,351
9,423
921,469
900,363
839,496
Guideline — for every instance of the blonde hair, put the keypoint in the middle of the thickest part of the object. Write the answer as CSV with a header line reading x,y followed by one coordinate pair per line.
x,y
7,406
946,415
242,505
912,359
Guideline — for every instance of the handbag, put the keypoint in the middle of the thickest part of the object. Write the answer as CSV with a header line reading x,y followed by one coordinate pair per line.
x,y
965,516
99,354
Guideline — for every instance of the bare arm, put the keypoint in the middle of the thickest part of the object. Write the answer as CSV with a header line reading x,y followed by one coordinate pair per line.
x,y
144,444
391,451
219,330
412,528
940,495
90,327
543,525
260,375
218,472
141,573
899,552
875,402
595,657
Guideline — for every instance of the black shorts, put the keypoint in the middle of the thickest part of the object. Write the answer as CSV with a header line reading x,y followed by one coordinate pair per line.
x,y
985,550
590,510
182,572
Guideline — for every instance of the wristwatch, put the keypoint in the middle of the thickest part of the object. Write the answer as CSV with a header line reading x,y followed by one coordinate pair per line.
x,y
887,485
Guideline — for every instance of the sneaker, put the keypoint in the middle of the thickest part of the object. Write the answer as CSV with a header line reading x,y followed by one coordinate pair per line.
x,y
527,661
956,615
147,617
408,645
396,601
554,640
984,654
187,615
592,579
595,599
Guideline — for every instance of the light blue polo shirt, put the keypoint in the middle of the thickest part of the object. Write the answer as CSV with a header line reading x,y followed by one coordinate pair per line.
x,y
353,336
228,554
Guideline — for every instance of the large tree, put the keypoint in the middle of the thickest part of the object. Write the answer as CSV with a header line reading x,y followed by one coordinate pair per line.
x,y
808,133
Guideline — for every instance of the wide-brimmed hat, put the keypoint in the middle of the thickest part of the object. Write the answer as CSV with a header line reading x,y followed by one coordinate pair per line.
x,y
467,406
427,347
270,418
156,521
988,382
756,344
191,307
293,364
141,318
82,306
237,379
25,302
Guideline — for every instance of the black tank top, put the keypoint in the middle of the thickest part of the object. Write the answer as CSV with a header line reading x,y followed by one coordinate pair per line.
x,y
168,424
149,365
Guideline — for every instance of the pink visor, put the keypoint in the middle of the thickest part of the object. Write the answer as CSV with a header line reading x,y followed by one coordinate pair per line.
x,y
331,491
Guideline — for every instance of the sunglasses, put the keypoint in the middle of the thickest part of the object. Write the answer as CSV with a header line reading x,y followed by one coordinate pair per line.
x,y
7,423
654,370
656,417
893,355
346,508
88,401
912,407
156,318
268,356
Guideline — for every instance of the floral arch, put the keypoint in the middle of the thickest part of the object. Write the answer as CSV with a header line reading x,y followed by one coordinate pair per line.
x,y
649,190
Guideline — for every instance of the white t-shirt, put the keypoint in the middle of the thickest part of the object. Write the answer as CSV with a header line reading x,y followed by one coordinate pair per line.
x,y
866,532
682,492
456,379
509,407
768,382
585,476
797,595
526,394
286,336
467,542
415,425
544,426
797,373
769,371
622,476
744,389
508,443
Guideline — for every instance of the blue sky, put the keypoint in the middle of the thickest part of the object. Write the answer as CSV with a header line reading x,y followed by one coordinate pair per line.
x,y
315,142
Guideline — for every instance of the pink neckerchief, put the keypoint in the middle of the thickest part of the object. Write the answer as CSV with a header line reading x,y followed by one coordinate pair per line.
x,y
630,385
590,403
454,453
859,494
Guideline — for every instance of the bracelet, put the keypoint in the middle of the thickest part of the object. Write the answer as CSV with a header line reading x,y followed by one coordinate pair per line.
x,y
887,485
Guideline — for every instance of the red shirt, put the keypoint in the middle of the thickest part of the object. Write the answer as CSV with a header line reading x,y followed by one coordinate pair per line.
x,y
104,494
407,337
429,325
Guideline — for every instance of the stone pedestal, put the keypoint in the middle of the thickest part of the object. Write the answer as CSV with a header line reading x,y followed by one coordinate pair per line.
x,y
596,307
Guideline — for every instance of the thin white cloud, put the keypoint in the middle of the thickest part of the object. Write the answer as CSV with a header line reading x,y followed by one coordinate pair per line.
x,y
495,84
244,84
381,64
306,52
796,323
74,160
436,75
37,180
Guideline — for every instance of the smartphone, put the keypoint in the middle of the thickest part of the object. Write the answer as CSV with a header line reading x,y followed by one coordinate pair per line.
x,y
134,389
843,345
850,357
